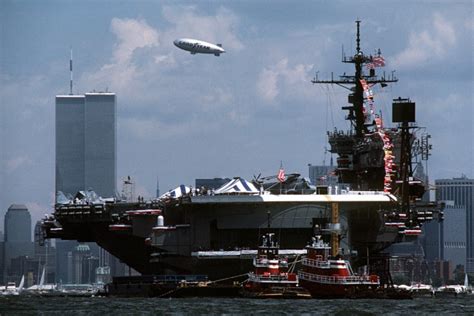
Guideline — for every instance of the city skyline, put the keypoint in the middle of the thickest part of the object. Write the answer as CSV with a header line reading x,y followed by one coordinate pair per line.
x,y
182,117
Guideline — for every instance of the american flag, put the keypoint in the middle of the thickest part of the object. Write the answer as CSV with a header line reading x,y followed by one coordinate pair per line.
x,y
281,175
377,61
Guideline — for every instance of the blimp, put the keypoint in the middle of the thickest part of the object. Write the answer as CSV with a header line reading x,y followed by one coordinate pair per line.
x,y
195,46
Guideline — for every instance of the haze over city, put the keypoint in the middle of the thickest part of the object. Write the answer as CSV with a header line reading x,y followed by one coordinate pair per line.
x,y
183,116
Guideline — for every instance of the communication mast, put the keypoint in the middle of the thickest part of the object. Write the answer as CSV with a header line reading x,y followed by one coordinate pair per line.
x,y
128,189
356,98
70,70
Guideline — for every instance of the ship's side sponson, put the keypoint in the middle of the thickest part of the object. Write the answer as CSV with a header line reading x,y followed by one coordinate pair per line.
x,y
353,197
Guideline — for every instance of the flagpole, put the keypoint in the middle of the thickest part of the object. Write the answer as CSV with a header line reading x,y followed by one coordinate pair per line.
x,y
281,175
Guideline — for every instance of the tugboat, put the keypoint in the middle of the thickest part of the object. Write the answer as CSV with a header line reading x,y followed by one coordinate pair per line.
x,y
271,278
325,274
332,277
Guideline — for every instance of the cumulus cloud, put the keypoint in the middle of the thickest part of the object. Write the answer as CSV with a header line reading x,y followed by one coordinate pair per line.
x,y
143,55
425,45
132,34
122,73
280,76
142,52
218,98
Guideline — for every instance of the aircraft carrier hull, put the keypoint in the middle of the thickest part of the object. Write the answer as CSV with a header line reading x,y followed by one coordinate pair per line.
x,y
218,235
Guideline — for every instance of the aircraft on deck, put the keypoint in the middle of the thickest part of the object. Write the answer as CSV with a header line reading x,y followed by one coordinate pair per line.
x,y
199,47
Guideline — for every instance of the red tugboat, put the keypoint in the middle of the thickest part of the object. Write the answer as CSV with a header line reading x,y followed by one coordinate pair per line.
x,y
271,278
326,275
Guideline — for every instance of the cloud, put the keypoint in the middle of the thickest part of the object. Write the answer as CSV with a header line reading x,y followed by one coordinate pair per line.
x,y
132,34
152,129
122,73
426,45
142,54
273,79
469,25
216,99
267,85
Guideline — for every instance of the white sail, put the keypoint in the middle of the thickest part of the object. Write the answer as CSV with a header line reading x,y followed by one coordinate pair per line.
x,y
22,283
42,278
466,281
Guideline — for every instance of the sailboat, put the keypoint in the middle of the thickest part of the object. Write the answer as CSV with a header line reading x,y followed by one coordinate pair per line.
x,y
42,288
467,287
11,289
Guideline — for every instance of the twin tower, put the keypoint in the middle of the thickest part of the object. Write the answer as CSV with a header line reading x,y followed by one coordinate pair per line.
x,y
86,140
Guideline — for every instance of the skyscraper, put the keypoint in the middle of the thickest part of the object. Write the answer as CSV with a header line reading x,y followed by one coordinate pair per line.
x,y
446,240
461,191
85,153
17,236
70,143
45,254
86,143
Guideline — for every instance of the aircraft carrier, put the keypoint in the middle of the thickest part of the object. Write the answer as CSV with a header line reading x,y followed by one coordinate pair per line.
x,y
216,232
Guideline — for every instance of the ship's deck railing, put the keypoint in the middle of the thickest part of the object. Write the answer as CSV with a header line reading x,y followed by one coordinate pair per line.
x,y
283,278
316,263
264,262
326,279
365,192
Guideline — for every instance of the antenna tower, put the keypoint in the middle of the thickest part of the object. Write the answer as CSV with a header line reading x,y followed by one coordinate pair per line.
x,y
128,189
70,70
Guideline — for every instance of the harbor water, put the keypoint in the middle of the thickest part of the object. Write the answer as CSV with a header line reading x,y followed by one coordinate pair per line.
x,y
28,305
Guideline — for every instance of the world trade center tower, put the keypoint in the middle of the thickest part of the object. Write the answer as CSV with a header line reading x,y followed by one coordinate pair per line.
x,y
86,143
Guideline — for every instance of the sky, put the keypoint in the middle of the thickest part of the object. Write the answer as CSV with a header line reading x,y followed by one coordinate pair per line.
x,y
182,116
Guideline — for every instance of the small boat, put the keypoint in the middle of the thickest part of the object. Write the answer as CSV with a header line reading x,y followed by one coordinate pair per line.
x,y
271,278
467,287
11,289
450,291
332,277
421,290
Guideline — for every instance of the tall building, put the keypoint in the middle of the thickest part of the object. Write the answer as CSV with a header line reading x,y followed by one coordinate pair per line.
x,y
45,255
85,156
17,224
64,249
86,143
461,192
454,235
70,150
17,238
446,240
